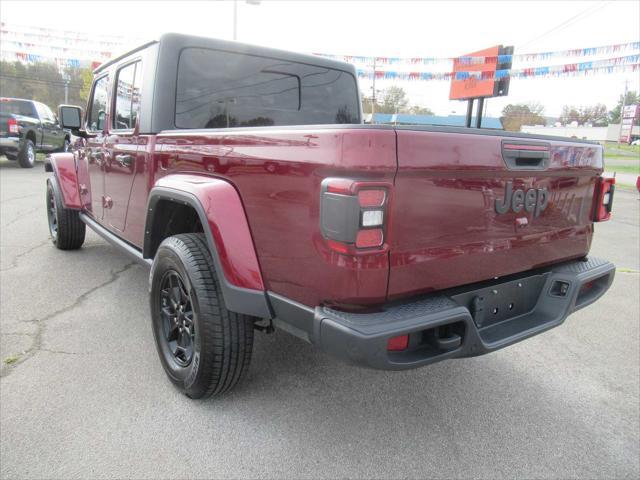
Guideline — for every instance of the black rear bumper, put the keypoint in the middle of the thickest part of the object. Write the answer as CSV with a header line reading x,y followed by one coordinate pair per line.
x,y
458,323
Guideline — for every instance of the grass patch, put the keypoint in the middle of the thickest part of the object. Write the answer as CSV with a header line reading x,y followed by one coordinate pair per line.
x,y
635,169
11,359
622,147
625,158
626,270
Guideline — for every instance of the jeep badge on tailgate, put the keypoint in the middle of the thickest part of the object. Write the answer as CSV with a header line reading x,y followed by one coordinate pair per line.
x,y
533,200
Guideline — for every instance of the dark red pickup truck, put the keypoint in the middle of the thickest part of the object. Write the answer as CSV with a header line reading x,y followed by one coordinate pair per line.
x,y
244,177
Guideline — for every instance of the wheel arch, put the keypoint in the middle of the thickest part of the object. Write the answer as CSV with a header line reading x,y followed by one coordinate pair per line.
x,y
238,270
63,167
31,135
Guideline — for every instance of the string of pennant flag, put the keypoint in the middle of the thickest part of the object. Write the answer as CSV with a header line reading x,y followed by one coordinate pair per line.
x,y
471,60
540,72
610,65
547,71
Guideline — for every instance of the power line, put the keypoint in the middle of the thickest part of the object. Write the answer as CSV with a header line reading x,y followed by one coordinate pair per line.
x,y
60,83
567,23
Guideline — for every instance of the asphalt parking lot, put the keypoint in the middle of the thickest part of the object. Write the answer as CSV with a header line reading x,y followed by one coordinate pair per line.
x,y
83,394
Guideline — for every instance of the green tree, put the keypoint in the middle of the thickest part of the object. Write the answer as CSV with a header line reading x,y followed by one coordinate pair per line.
x,y
417,110
367,102
632,99
86,77
516,115
393,100
43,82
593,114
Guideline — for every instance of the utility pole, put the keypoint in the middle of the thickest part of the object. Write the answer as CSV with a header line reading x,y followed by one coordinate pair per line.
x,y
66,88
624,101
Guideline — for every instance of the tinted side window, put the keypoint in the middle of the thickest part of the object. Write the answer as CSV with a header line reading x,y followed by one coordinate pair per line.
x,y
127,101
44,112
48,113
220,89
98,108
17,107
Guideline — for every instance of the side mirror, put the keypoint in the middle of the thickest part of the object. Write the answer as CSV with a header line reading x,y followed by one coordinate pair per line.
x,y
70,117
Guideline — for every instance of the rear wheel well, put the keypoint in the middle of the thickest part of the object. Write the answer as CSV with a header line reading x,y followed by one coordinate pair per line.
x,y
168,218
31,135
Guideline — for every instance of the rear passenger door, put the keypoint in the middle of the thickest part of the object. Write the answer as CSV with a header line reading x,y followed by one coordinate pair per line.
x,y
121,145
51,139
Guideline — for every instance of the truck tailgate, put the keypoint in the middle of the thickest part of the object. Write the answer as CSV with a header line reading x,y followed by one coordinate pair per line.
x,y
469,207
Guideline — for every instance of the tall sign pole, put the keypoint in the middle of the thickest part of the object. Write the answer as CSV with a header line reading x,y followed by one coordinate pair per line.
x,y
624,104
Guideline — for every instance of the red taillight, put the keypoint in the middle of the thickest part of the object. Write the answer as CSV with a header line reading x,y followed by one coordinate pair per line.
x,y
340,185
397,344
353,215
604,199
12,126
371,198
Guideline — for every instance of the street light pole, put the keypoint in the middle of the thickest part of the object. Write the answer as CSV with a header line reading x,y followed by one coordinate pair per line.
x,y
235,15
235,20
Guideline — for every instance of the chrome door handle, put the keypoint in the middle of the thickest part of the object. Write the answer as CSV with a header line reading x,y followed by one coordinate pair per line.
x,y
124,160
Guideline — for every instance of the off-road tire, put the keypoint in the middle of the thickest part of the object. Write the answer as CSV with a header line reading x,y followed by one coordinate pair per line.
x,y
27,154
221,341
11,156
66,229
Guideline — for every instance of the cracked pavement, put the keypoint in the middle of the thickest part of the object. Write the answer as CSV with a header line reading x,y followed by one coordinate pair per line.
x,y
83,393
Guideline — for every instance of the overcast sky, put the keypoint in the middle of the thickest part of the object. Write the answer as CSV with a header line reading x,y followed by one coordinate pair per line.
x,y
383,28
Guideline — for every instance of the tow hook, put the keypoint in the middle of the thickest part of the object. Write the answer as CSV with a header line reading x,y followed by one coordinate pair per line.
x,y
449,342
444,339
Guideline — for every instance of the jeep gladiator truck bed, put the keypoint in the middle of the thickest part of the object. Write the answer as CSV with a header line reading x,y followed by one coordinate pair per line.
x,y
244,177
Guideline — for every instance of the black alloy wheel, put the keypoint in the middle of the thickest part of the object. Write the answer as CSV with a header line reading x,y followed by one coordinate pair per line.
x,y
204,348
177,318
66,228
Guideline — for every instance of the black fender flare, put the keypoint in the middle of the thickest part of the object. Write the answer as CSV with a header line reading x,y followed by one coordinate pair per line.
x,y
237,299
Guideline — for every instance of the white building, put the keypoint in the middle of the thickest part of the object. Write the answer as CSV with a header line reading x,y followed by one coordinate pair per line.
x,y
63,47
598,134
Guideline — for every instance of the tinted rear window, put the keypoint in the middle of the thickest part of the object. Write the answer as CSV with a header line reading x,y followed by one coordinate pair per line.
x,y
220,89
17,107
